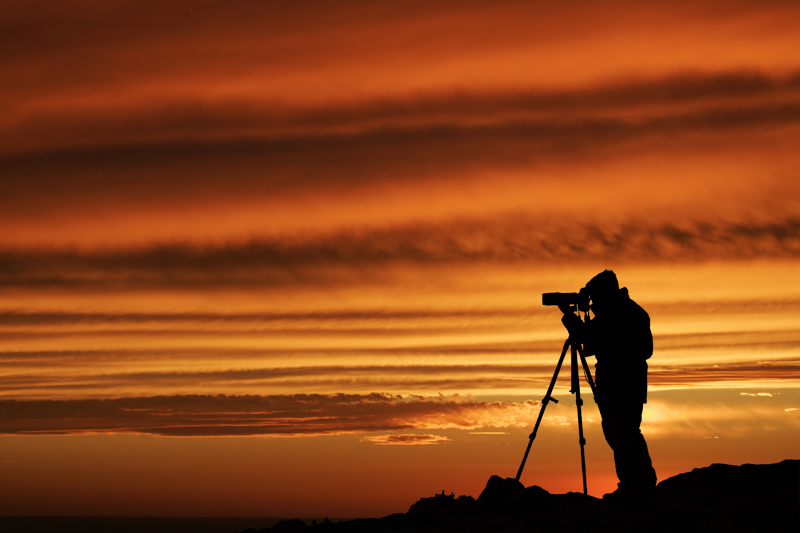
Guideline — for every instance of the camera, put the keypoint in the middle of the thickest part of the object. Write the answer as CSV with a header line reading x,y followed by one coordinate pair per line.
x,y
568,298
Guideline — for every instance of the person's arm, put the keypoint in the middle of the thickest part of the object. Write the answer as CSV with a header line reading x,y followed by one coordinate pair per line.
x,y
572,322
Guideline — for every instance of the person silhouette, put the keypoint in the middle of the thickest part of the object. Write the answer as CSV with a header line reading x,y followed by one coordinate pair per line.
x,y
620,339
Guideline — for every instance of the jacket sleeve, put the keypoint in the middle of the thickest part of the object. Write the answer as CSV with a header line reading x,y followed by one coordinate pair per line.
x,y
642,335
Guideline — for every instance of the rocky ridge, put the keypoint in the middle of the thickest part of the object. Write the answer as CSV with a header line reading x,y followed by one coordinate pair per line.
x,y
719,497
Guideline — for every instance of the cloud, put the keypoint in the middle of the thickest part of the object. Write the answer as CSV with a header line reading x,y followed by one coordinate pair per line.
x,y
684,101
713,419
757,394
158,44
787,368
137,122
407,439
238,160
348,149
346,256
299,414
96,375
392,318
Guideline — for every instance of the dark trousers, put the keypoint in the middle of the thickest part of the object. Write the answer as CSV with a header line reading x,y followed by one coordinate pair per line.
x,y
621,421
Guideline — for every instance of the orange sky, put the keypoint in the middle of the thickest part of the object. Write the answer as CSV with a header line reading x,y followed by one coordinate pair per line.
x,y
349,213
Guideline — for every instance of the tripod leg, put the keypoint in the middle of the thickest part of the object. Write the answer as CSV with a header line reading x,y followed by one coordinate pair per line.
x,y
576,389
545,401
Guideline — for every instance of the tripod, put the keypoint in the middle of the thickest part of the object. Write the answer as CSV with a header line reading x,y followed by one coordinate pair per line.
x,y
576,353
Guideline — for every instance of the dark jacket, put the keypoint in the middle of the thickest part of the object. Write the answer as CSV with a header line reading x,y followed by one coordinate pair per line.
x,y
622,342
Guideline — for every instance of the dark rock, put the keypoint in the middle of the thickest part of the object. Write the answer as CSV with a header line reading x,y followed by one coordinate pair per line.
x,y
535,491
764,498
290,525
735,498
464,502
498,488
438,501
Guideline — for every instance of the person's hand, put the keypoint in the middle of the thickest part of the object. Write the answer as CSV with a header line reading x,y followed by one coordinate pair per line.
x,y
573,324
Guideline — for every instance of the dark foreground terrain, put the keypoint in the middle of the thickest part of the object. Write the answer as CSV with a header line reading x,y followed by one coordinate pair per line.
x,y
715,498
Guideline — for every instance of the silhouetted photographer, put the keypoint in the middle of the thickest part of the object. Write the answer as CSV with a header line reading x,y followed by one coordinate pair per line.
x,y
619,337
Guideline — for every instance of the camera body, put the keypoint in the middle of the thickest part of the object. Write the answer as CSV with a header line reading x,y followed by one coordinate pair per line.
x,y
581,299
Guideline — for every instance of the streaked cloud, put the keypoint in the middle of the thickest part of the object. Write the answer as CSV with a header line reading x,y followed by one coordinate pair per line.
x,y
320,414
97,377
291,415
747,98
407,439
163,48
715,419
446,338
165,157
163,189
340,258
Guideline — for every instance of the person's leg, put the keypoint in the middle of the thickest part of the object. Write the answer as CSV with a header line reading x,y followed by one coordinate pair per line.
x,y
645,473
637,466
614,432
621,423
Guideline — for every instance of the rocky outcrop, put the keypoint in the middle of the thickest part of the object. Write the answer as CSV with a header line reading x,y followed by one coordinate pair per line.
x,y
498,488
719,498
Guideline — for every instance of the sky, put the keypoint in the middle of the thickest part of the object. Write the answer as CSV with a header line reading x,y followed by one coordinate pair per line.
x,y
285,258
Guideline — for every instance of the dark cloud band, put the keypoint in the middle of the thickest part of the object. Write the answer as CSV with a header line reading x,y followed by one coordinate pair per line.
x,y
344,257
391,377
299,414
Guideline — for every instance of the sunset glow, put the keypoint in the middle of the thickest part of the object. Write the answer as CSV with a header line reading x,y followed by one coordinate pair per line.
x,y
286,259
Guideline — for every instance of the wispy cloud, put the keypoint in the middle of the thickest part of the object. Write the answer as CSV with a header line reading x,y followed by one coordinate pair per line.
x,y
715,419
299,414
178,161
783,371
619,111
358,318
342,257
407,439
97,377
315,414
311,130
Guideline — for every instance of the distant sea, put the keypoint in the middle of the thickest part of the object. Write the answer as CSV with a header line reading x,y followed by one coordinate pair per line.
x,y
135,524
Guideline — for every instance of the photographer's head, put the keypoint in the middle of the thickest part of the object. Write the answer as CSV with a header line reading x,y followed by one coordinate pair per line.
x,y
604,291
